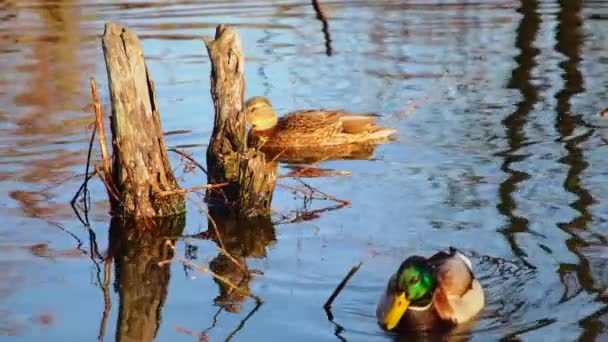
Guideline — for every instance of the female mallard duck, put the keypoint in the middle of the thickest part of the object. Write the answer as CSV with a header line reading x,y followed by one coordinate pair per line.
x,y
310,128
431,294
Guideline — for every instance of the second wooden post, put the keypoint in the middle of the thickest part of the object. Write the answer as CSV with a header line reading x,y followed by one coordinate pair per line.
x,y
251,178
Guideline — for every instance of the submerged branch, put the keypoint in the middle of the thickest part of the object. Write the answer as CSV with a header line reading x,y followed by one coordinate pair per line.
x,y
107,303
220,278
83,189
323,19
243,321
330,300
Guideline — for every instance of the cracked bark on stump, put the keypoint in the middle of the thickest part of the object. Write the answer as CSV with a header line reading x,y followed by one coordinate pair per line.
x,y
251,178
140,164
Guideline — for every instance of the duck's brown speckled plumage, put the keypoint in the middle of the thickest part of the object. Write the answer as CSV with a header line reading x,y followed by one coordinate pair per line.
x,y
314,128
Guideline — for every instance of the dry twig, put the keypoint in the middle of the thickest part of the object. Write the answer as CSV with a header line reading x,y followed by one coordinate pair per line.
x,y
189,157
99,124
108,183
314,193
309,214
194,189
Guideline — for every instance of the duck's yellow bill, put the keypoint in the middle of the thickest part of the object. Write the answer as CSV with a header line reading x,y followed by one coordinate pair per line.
x,y
396,311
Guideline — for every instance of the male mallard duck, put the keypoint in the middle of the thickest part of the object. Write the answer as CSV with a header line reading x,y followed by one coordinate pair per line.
x,y
310,128
431,294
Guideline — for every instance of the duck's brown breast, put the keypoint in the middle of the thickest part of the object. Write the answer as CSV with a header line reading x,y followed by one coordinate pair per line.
x,y
423,320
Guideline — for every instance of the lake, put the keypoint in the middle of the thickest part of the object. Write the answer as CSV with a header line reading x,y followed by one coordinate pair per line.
x,y
501,152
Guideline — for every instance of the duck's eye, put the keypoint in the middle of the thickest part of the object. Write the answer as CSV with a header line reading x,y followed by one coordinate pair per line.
x,y
415,279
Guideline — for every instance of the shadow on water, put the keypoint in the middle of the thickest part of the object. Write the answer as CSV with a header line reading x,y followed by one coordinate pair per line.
x,y
241,238
361,151
573,132
141,283
569,43
237,239
515,122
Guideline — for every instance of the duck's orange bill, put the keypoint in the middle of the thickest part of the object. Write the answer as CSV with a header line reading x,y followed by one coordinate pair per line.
x,y
396,311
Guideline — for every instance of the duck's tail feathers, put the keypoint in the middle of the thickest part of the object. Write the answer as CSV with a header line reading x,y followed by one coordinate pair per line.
x,y
382,134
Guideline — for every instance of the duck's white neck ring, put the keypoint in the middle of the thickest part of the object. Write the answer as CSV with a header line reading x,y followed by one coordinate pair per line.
x,y
420,308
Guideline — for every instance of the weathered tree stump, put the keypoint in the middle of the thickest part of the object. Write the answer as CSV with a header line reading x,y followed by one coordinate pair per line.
x,y
251,179
141,168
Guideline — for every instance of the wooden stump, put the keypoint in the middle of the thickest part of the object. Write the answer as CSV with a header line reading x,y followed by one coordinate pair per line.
x,y
251,179
141,168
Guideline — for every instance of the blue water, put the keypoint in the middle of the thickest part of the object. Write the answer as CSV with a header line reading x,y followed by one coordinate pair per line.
x,y
500,152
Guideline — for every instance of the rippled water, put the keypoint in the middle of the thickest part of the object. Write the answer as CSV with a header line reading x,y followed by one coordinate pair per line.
x,y
501,153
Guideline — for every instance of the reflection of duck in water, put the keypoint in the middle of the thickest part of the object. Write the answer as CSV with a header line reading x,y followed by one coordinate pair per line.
x,y
310,128
431,294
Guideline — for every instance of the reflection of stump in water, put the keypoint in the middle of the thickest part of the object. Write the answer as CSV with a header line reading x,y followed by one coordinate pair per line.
x,y
241,238
141,283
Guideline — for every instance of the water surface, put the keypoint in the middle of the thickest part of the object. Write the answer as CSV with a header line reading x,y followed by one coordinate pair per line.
x,y
500,153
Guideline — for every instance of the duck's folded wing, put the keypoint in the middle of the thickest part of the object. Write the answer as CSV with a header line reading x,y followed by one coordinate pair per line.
x,y
310,122
459,308
459,295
